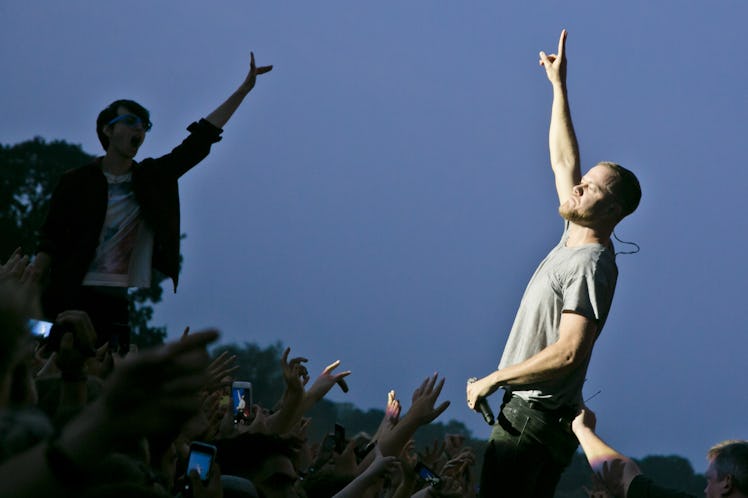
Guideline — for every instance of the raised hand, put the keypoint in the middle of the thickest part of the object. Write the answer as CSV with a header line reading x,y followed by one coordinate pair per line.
x,y
15,266
328,379
203,426
555,64
220,370
254,71
453,444
102,364
457,466
294,372
585,419
159,389
433,456
423,409
77,345
391,415
345,462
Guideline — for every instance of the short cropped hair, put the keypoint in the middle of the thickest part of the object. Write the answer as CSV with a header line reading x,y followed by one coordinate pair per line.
x,y
110,113
731,457
626,190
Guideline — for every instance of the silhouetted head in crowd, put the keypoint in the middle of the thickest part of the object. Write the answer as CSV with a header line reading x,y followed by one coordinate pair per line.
x,y
324,483
267,461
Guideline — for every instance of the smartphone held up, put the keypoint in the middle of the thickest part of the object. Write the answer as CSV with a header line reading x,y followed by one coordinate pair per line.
x,y
241,401
200,460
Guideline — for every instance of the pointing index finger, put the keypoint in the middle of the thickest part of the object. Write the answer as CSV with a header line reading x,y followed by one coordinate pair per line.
x,y
562,44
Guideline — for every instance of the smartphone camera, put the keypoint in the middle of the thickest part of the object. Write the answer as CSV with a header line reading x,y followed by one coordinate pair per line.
x,y
200,460
241,400
339,438
428,475
40,328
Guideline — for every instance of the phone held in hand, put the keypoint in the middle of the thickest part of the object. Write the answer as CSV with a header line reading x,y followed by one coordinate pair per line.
x,y
339,438
428,475
40,328
241,401
200,460
363,449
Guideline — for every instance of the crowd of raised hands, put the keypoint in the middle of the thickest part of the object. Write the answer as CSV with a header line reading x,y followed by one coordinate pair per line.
x,y
81,421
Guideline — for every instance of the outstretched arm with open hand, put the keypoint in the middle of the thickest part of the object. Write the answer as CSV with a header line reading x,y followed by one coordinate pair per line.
x,y
223,112
422,412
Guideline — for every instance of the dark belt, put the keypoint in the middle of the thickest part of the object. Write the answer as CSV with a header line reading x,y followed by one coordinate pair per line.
x,y
564,414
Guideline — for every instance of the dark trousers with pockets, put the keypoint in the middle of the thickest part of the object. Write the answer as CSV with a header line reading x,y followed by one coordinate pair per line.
x,y
528,450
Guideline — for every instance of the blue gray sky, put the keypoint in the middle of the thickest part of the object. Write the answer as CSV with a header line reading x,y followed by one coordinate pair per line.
x,y
384,194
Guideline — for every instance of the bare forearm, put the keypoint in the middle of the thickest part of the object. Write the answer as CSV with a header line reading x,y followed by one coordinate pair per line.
x,y
358,486
562,141
548,364
615,470
391,442
221,115
287,414
405,488
595,449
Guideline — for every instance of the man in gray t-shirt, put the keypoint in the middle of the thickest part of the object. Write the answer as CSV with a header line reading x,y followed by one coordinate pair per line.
x,y
561,315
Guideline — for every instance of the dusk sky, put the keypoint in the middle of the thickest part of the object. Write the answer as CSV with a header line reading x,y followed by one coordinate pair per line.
x,y
383,195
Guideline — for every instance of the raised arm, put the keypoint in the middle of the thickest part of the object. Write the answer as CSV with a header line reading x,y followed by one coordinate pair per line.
x,y
577,335
613,469
562,141
289,412
223,112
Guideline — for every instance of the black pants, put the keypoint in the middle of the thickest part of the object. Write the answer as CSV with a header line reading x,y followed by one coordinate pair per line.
x,y
109,312
527,452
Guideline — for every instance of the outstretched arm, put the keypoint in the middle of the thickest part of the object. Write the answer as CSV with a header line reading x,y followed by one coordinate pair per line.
x,y
577,335
613,469
380,468
562,141
223,112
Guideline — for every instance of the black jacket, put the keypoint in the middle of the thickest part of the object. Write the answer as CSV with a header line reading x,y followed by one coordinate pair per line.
x,y
70,234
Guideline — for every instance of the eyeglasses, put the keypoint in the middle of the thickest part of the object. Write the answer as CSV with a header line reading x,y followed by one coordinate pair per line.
x,y
132,121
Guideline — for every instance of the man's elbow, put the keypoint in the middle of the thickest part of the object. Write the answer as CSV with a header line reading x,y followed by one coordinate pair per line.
x,y
571,358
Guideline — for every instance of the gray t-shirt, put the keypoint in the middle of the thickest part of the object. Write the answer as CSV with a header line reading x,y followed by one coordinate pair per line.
x,y
572,279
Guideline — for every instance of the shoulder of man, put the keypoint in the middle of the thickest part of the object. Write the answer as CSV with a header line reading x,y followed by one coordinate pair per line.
x,y
643,487
87,170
